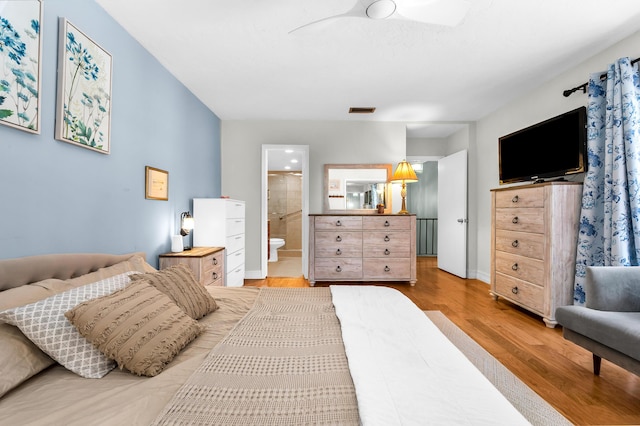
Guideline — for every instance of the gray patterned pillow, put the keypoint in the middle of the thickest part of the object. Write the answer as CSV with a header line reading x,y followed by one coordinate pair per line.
x,y
44,323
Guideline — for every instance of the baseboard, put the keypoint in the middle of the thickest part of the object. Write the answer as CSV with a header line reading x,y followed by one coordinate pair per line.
x,y
482,276
254,275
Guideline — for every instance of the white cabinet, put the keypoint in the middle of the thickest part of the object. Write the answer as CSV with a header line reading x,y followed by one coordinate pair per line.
x,y
221,222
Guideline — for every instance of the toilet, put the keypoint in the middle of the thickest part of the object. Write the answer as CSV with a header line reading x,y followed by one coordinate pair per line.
x,y
275,244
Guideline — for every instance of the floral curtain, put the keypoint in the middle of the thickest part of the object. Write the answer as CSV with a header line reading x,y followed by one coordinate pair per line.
x,y
610,217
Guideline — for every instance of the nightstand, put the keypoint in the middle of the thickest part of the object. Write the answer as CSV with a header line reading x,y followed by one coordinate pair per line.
x,y
207,263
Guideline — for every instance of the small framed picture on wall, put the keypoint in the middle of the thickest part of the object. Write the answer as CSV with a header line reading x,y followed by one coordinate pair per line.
x,y
156,183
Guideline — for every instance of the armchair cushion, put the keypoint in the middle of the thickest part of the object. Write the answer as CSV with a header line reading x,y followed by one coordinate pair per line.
x,y
613,288
617,330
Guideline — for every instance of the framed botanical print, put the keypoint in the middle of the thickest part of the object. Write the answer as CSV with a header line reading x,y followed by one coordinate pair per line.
x,y
20,64
83,107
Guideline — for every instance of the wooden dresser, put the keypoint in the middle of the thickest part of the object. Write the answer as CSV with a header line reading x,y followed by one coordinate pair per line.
x,y
534,232
362,248
207,263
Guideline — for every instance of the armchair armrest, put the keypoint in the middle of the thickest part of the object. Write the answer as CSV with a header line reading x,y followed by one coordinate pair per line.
x,y
613,288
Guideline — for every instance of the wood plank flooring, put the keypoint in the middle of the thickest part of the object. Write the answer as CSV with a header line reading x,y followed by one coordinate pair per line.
x,y
556,369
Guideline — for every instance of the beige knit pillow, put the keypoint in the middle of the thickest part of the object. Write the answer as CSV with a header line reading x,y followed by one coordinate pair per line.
x,y
181,286
139,327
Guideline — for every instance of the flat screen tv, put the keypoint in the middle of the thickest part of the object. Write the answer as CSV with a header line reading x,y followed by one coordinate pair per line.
x,y
550,149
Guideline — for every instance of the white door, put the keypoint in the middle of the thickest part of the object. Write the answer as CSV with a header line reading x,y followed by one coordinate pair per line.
x,y
452,214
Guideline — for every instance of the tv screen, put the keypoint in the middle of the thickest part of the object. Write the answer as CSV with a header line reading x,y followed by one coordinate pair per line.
x,y
552,148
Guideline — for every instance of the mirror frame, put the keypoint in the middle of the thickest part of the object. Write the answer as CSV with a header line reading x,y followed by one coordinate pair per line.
x,y
328,167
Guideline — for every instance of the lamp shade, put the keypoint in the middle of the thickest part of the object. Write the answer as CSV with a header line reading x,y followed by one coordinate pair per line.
x,y
186,223
404,173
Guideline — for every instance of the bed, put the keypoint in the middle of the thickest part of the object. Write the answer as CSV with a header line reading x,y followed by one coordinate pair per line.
x,y
330,355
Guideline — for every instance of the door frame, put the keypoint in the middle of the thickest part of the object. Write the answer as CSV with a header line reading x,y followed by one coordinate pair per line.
x,y
264,206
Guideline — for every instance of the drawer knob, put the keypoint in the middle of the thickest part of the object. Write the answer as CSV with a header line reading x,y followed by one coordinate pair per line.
x,y
514,267
515,243
338,223
515,199
338,252
386,268
215,275
386,223
514,290
338,238
387,252
338,268
386,238
514,220
215,261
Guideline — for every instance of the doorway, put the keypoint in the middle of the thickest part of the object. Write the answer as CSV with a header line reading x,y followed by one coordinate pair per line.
x,y
285,207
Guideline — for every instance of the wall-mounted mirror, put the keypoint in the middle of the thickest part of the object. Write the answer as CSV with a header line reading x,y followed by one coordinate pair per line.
x,y
357,188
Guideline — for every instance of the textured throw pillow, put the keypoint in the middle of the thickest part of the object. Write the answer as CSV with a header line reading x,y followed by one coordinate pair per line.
x,y
138,326
44,323
19,358
180,285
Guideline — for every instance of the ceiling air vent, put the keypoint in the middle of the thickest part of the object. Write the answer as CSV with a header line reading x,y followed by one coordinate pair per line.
x,y
362,110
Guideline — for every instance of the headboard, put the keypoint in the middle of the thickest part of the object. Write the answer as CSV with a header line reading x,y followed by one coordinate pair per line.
x,y
30,269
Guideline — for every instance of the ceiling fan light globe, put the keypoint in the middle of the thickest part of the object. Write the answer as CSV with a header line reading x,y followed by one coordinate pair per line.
x,y
381,9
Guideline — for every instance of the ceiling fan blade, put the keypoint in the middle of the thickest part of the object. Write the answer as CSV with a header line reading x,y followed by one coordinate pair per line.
x,y
449,13
357,11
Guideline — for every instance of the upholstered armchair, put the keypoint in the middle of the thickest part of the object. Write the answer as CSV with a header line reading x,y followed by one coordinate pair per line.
x,y
609,323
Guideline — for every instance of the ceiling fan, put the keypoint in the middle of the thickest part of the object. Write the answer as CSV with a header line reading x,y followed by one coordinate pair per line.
x,y
437,12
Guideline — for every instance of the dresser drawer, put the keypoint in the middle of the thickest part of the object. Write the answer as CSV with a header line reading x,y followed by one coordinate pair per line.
x,y
338,222
338,269
234,243
522,292
519,219
338,244
235,278
386,222
214,277
234,209
521,243
386,244
524,268
213,261
235,226
387,269
520,197
235,259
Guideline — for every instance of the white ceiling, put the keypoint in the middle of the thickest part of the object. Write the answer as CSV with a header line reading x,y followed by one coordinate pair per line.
x,y
238,57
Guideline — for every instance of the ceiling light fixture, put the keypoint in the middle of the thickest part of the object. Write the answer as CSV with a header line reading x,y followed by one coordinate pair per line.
x,y
381,9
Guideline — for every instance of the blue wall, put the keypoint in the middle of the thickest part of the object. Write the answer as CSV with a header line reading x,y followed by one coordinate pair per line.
x,y
56,197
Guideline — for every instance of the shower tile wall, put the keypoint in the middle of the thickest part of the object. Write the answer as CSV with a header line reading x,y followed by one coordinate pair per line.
x,y
285,209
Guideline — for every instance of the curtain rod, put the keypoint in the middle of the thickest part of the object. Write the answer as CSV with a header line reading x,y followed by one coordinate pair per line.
x,y
583,86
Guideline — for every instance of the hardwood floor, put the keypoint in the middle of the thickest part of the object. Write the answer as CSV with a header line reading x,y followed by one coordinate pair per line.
x,y
556,369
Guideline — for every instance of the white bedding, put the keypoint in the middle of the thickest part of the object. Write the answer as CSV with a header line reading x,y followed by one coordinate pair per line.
x,y
411,375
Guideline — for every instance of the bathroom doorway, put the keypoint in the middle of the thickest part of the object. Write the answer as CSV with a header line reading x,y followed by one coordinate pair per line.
x,y
284,210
